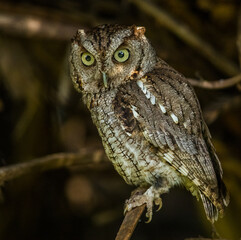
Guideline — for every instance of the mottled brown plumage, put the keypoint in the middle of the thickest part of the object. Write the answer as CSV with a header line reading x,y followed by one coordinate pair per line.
x,y
148,117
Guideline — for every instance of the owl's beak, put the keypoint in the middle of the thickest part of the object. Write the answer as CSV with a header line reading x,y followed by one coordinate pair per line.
x,y
104,79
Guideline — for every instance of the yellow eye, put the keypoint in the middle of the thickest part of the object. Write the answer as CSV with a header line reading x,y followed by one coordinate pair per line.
x,y
121,55
87,59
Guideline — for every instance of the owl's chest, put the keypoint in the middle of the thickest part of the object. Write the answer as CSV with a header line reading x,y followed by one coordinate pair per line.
x,y
131,155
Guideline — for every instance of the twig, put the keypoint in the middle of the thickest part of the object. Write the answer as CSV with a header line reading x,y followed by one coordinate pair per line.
x,y
35,21
183,32
239,43
239,36
220,105
203,238
36,26
219,84
129,223
59,160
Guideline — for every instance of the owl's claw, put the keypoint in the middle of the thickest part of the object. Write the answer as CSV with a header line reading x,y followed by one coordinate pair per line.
x,y
126,208
158,202
136,201
145,196
140,197
148,215
133,201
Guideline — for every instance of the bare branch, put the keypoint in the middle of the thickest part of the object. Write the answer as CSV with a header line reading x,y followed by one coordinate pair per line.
x,y
203,238
132,217
184,33
129,223
219,84
84,158
220,105
239,37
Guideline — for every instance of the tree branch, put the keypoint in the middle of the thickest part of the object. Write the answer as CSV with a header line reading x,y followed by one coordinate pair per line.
x,y
204,238
182,31
84,158
239,36
219,84
131,217
129,223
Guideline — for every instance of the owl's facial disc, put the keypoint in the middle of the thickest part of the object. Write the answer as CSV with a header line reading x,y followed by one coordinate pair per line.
x,y
109,55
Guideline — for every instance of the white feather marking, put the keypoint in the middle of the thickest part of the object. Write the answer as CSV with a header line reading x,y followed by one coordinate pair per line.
x,y
140,84
196,181
163,109
142,163
144,89
111,120
148,94
169,157
183,170
174,118
128,171
153,100
133,108
152,163
185,125
110,113
129,134
111,139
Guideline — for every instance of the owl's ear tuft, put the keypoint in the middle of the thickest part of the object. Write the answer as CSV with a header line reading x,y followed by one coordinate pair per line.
x,y
81,32
80,35
139,31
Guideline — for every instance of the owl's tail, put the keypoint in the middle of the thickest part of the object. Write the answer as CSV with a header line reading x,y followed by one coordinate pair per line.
x,y
215,208
210,210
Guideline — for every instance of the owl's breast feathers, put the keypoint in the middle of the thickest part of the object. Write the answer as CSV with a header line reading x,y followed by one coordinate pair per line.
x,y
163,108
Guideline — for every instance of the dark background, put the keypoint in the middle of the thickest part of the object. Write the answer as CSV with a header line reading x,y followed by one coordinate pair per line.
x,y
40,114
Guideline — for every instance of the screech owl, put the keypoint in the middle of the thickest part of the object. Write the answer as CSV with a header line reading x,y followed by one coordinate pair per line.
x,y
148,117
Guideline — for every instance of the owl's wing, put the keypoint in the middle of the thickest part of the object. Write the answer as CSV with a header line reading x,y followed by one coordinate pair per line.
x,y
165,108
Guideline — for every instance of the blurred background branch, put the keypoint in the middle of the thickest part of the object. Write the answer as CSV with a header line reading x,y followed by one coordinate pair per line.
x,y
188,36
85,158
31,26
219,84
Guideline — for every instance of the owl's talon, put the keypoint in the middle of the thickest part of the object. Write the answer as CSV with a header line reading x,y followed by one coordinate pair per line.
x,y
158,202
149,219
149,215
125,210
129,205
159,208
147,197
143,197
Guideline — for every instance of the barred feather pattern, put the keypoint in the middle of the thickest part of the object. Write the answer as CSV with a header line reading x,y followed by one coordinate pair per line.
x,y
148,117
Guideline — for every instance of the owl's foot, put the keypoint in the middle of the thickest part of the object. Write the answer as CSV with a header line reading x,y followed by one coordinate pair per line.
x,y
142,196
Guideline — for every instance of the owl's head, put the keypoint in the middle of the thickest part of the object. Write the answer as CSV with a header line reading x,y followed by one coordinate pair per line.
x,y
109,55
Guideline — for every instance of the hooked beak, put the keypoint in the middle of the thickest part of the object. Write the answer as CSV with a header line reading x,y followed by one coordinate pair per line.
x,y
104,79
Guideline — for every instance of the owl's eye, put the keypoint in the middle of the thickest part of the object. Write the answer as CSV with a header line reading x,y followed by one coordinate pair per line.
x,y
87,59
121,55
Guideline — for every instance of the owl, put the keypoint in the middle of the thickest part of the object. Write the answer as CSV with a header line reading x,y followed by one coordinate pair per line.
x,y
148,117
